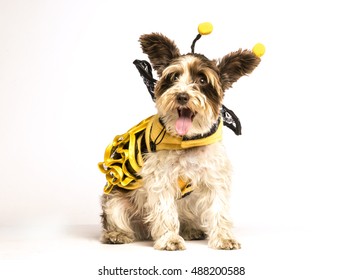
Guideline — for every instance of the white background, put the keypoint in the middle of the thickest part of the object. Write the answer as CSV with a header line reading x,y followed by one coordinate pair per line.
x,y
68,86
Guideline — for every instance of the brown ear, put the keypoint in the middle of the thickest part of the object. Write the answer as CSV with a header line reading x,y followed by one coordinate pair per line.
x,y
235,65
160,50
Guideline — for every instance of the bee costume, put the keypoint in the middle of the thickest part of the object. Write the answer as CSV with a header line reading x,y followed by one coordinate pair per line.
x,y
124,157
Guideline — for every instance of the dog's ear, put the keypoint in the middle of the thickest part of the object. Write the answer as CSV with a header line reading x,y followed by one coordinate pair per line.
x,y
235,65
160,50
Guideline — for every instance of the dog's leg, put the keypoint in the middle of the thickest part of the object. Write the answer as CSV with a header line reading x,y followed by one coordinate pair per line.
x,y
116,219
161,214
164,223
220,233
218,221
211,203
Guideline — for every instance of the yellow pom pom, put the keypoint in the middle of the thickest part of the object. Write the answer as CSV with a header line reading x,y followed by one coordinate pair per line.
x,y
205,28
259,49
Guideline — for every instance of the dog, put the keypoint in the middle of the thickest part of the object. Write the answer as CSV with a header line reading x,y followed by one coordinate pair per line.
x,y
181,178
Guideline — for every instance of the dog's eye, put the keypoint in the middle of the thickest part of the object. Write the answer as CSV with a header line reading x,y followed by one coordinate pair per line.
x,y
175,77
202,80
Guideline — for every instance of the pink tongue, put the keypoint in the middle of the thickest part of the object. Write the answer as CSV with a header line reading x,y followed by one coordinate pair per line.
x,y
182,125
184,122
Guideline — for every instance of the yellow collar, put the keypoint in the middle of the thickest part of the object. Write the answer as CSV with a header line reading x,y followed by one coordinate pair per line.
x,y
157,139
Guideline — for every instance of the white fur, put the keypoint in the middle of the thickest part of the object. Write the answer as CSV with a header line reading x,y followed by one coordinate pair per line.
x,y
205,210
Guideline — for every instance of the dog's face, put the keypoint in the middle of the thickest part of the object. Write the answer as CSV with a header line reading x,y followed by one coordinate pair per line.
x,y
191,87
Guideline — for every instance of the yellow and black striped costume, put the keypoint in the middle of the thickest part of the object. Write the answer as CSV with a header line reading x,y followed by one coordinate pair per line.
x,y
124,156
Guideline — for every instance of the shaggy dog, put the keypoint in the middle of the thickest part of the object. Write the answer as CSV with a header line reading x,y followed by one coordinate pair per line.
x,y
180,175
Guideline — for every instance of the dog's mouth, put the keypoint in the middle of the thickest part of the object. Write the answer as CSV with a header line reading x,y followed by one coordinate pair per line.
x,y
184,122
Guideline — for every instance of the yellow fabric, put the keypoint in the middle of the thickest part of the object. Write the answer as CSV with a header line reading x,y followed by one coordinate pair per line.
x,y
259,49
205,28
119,154
123,158
185,187
170,142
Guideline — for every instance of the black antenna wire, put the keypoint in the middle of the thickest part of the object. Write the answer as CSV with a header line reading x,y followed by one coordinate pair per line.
x,y
194,41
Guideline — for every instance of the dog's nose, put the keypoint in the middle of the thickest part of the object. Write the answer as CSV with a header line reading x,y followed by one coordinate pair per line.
x,y
182,98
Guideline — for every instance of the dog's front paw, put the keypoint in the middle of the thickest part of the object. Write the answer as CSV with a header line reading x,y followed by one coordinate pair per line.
x,y
171,242
224,244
